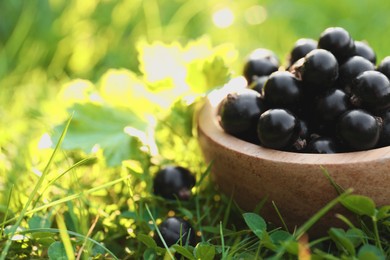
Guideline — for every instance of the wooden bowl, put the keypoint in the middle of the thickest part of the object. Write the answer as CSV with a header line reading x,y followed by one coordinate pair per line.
x,y
295,182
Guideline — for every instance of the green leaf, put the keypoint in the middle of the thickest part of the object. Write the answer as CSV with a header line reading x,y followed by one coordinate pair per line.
x,y
383,212
44,238
216,72
94,124
291,246
37,221
183,251
204,251
267,241
279,236
57,251
150,254
356,236
370,252
339,237
255,223
147,240
359,204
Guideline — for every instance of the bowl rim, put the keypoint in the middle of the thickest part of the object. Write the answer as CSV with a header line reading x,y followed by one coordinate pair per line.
x,y
209,126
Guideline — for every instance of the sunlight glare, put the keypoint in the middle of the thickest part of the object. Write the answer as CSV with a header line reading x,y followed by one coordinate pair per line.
x,y
45,142
237,84
255,14
76,91
223,18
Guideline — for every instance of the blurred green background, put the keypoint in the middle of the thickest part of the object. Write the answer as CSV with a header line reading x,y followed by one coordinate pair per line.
x,y
72,38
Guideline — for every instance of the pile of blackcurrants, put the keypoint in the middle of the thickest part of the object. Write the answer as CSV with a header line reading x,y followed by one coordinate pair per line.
x,y
330,98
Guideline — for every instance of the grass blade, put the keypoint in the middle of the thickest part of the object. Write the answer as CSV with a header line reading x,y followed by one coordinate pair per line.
x,y
34,192
70,197
6,212
158,232
55,230
280,216
65,237
338,188
308,224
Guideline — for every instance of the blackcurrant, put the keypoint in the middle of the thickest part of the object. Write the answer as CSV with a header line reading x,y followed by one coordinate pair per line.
x,y
384,66
384,139
364,50
319,70
173,182
358,130
278,129
322,145
261,62
175,230
238,113
330,105
371,90
351,69
301,48
338,41
258,83
282,90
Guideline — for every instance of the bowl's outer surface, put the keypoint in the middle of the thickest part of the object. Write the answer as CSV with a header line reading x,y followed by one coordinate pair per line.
x,y
295,182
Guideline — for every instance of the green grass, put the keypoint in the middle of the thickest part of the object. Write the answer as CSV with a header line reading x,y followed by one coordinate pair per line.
x,y
89,193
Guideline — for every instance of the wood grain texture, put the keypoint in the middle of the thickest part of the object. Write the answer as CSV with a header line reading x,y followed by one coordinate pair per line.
x,y
294,181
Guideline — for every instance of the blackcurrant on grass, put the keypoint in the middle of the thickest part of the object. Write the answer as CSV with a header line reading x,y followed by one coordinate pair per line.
x,y
358,130
364,50
278,129
371,90
323,145
175,230
238,113
351,69
319,70
282,90
261,62
301,48
173,182
338,41
258,83
384,66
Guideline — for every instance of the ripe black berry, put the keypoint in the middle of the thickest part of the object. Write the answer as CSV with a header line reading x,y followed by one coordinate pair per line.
x,y
319,70
384,139
351,69
364,50
282,90
278,129
330,105
238,113
322,145
301,48
384,66
338,41
261,62
258,83
174,182
371,91
175,230
358,130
